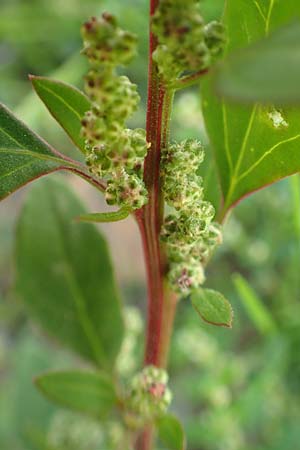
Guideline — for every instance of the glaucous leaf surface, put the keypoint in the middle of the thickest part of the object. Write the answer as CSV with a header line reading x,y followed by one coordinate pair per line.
x,y
64,274
254,75
254,145
171,433
24,156
88,392
212,307
66,104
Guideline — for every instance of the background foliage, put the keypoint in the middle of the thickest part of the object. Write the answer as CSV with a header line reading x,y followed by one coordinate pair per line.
x,y
233,389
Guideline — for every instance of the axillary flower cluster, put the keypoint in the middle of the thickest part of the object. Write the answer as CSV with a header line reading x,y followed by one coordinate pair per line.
x,y
148,397
190,234
113,151
186,45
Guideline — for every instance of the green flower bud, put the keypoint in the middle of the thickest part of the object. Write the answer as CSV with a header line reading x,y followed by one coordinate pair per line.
x,y
126,190
184,157
179,27
168,66
115,96
215,37
186,276
105,44
149,396
186,44
182,192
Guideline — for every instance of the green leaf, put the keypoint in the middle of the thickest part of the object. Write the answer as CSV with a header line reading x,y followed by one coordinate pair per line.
x,y
171,433
254,75
88,392
254,145
212,307
64,274
255,308
24,156
114,216
66,104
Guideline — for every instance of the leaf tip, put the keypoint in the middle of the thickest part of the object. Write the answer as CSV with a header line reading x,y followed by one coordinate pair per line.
x,y
213,308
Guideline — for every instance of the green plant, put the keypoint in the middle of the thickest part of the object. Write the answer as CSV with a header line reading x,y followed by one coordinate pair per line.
x,y
66,278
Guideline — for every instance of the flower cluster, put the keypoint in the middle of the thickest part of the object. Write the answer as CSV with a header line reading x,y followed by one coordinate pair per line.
x,y
113,152
189,234
186,43
149,396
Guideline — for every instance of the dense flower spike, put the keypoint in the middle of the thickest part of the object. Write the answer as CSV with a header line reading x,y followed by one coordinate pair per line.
x,y
186,43
149,396
190,234
113,152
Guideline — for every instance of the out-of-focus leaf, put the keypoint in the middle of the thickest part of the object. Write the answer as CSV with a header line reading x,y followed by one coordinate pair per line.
x,y
255,75
89,392
66,104
171,433
254,145
256,310
64,274
213,307
295,190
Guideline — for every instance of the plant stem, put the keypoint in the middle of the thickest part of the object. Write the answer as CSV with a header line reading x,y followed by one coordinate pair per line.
x,y
161,303
189,80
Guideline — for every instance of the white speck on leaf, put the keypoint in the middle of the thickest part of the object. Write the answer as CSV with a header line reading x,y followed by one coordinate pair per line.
x,y
277,119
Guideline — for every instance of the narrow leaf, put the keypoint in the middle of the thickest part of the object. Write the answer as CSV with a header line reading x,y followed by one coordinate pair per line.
x,y
254,75
212,307
24,156
64,274
171,433
114,216
255,308
88,392
66,104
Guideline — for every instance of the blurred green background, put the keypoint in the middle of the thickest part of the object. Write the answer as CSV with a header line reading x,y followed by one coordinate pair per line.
x,y
234,389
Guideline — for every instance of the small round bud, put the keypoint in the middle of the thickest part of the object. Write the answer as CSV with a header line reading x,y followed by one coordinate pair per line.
x,y
186,276
149,396
215,37
179,27
126,190
105,44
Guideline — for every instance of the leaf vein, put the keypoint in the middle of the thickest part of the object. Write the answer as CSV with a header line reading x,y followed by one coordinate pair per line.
x,y
267,153
11,137
226,137
63,101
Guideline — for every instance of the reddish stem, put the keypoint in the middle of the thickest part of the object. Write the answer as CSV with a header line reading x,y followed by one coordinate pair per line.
x,y
151,216
161,305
